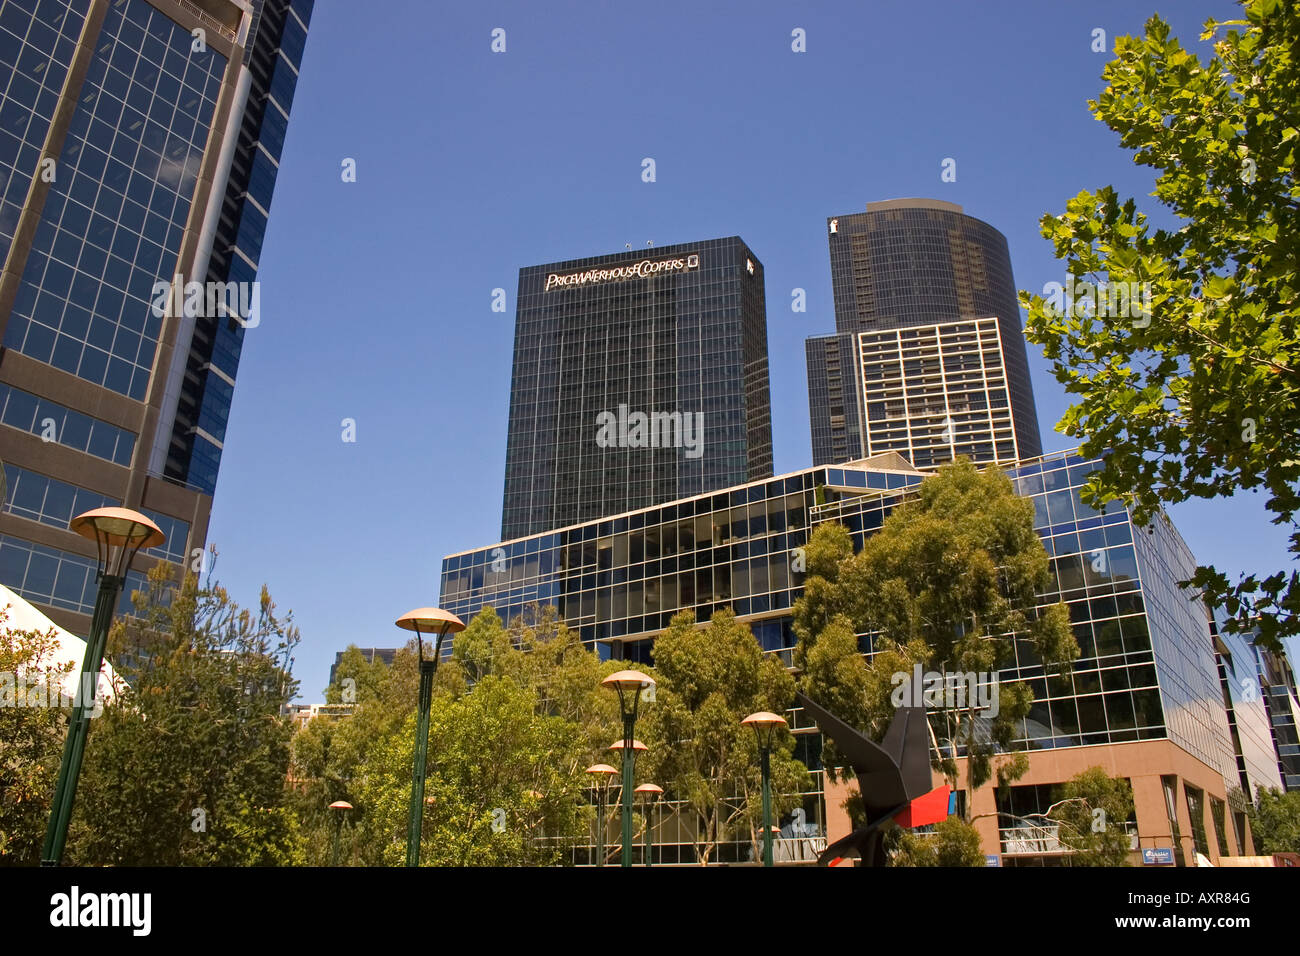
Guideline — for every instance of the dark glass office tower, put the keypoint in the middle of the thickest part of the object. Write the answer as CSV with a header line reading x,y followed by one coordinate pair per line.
x,y
902,264
834,387
138,140
638,377
272,59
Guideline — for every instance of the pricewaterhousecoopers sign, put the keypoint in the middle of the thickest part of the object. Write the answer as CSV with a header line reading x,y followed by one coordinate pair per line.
x,y
644,269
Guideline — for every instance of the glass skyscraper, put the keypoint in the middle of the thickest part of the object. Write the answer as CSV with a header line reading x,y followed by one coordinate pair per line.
x,y
638,377
138,150
204,385
834,398
900,265
1147,680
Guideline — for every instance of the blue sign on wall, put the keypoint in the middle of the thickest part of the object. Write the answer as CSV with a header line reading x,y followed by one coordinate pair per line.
x,y
992,859
1160,856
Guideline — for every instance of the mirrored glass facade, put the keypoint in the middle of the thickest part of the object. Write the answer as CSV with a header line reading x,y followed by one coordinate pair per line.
x,y
138,142
43,417
37,40
1245,700
1263,706
1277,677
677,334
623,578
273,59
1146,669
834,390
113,219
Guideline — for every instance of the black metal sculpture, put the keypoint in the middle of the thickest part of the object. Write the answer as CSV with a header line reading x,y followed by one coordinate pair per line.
x,y
892,775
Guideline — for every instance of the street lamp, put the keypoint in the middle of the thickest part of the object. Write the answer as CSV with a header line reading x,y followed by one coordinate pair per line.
x,y
603,773
628,685
765,724
650,792
637,747
119,534
340,807
424,620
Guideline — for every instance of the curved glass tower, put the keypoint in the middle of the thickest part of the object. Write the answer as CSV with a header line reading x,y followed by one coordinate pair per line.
x,y
918,264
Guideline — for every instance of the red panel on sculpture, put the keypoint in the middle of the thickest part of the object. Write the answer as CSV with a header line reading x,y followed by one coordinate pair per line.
x,y
925,809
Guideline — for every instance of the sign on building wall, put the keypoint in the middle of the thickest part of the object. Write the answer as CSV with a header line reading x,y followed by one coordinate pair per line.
x,y
645,269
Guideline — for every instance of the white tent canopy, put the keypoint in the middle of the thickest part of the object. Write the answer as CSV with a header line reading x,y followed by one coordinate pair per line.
x,y
20,615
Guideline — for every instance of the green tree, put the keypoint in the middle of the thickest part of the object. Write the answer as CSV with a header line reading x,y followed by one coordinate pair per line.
x,y
709,680
1275,821
954,842
538,651
32,731
536,778
503,786
188,765
950,581
329,752
1091,811
1201,396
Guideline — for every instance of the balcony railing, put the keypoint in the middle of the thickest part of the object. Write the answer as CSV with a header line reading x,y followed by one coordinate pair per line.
x,y
1032,838
797,849
208,20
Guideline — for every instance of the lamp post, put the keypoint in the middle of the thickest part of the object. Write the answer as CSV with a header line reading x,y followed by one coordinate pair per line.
x,y
650,792
637,747
765,724
119,534
424,620
628,685
602,773
340,807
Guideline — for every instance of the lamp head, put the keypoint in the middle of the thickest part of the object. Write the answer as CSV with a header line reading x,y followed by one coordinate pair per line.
x,y
430,620
765,724
637,746
628,685
118,533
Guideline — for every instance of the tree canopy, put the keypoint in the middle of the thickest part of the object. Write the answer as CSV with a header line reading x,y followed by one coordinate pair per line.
x,y
32,730
187,766
518,713
1199,396
950,582
1091,813
709,680
1275,821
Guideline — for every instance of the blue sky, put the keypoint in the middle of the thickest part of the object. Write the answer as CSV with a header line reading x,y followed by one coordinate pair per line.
x,y
376,295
